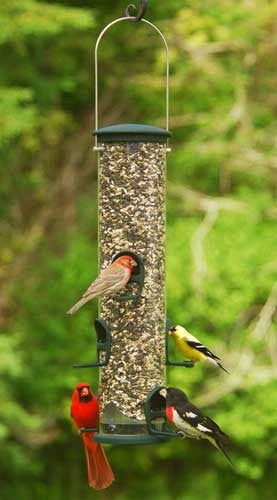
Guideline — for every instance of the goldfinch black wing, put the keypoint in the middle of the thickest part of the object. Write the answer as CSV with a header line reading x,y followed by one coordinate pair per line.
x,y
201,348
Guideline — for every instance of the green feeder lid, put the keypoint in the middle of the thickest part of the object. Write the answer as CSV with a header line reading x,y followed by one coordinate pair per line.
x,y
132,132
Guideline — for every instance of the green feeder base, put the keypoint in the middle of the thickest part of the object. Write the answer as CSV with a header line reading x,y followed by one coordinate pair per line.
x,y
124,439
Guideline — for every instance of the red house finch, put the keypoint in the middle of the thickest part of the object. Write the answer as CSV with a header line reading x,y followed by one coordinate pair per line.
x,y
191,421
85,413
109,281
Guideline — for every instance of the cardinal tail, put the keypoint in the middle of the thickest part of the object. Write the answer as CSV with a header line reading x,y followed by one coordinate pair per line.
x,y
90,451
79,304
100,474
105,473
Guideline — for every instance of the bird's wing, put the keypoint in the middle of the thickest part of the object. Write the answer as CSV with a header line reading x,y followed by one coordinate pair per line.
x,y
72,413
75,415
205,427
111,279
201,348
194,417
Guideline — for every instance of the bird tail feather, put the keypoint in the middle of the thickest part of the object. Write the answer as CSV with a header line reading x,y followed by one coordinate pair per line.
x,y
100,474
215,362
222,367
79,304
219,445
106,475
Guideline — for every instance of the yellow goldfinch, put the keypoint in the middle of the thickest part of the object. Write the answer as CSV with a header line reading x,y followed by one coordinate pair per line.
x,y
191,348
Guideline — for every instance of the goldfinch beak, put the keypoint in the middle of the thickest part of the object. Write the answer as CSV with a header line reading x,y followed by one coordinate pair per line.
x,y
172,330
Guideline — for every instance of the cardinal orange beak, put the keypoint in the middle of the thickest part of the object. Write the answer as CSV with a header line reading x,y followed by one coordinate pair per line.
x,y
84,391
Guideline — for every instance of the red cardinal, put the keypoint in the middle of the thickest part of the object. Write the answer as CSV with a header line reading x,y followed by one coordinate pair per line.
x,y
85,413
109,281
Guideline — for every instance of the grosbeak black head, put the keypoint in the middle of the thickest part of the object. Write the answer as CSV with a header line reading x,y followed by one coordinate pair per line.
x,y
174,397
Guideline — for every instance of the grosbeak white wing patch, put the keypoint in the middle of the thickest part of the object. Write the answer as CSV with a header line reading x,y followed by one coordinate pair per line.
x,y
190,414
202,428
184,425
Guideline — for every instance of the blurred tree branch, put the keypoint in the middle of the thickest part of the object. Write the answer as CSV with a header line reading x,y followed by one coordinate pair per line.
x,y
199,265
201,202
247,369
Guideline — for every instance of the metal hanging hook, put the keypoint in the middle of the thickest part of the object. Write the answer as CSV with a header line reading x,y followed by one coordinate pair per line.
x,y
142,10
128,18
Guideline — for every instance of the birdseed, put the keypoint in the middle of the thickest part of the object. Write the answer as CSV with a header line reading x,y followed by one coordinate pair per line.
x,y
132,217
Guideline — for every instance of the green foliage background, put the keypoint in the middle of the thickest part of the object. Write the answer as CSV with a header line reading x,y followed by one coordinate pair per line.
x,y
221,234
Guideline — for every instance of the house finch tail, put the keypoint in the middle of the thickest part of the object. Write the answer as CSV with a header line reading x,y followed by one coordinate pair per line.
x,y
79,304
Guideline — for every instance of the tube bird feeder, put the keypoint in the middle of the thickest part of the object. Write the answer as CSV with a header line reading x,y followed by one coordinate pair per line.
x,y
132,220
131,198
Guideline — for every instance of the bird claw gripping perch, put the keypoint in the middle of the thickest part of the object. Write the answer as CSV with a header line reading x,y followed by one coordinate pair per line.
x,y
103,345
137,276
156,417
186,364
181,434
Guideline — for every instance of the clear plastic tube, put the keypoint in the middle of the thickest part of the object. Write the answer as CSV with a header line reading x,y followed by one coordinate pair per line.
x,y
132,217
